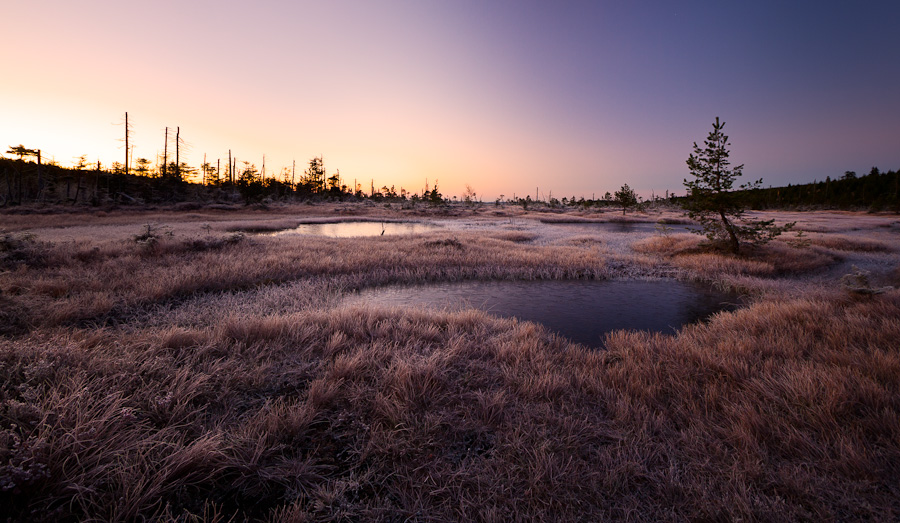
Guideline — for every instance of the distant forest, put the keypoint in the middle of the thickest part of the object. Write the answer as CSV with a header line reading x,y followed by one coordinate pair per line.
x,y
875,191
26,180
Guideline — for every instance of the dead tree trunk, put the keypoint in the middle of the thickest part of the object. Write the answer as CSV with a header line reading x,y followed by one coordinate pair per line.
x,y
165,153
126,145
21,178
9,186
178,153
40,174
77,189
96,196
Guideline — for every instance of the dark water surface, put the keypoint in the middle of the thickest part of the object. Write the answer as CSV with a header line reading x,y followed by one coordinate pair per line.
x,y
626,227
583,311
356,229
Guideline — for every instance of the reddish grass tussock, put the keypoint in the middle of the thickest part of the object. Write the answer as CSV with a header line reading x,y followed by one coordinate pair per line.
x,y
687,251
847,243
791,260
719,264
515,236
585,241
671,245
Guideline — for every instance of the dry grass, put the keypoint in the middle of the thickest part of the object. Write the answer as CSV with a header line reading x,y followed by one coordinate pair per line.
x,y
367,414
847,243
670,245
515,236
688,252
237,388
82,282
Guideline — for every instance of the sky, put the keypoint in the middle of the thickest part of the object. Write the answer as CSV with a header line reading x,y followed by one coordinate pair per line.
x,y
509,97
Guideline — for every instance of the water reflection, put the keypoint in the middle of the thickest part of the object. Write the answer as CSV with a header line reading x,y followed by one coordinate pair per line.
x,y
583,311
357,229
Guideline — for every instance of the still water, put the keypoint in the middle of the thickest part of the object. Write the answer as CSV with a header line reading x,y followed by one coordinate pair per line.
x,y
627,227
356,229
583,311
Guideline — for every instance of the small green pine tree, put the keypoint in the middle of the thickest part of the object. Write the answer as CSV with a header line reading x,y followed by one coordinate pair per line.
x,y
711,201
626,197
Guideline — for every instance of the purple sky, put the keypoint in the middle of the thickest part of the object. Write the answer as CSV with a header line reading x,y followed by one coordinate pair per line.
x,y
572,97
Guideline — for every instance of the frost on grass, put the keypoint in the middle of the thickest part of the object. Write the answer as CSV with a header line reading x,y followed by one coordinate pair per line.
x,y
221,381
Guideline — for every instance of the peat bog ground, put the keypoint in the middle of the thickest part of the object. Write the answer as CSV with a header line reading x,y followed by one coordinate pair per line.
x,y
190,365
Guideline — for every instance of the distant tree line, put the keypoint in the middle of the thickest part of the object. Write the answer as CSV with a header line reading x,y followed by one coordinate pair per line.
x,y
26,180
875,191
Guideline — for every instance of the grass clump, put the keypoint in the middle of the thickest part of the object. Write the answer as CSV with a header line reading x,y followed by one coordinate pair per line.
x,y
515,236
15,318
153,234
446,242
771,259
19,250
847,243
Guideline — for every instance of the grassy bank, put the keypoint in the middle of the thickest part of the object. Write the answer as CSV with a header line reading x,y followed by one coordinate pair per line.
x,y
216,376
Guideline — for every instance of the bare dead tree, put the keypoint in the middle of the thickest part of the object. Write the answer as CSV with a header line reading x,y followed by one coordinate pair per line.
x,y
40,175
165,153
178,152
127,129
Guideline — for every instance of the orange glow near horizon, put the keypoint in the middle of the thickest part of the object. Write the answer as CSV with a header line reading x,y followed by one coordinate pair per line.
x,y
573,101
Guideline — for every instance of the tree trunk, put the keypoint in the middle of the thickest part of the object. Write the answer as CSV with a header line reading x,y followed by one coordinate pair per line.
x,y
9,186
178,153
126,147
77,190
165,153
735,244
40,177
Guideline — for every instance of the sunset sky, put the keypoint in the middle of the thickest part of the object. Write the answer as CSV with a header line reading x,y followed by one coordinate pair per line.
x,y
572,97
